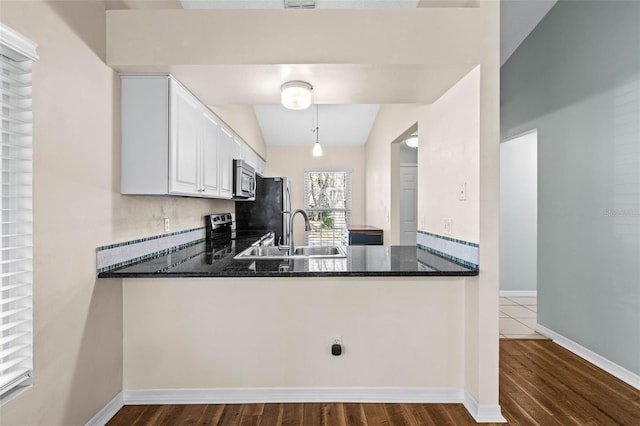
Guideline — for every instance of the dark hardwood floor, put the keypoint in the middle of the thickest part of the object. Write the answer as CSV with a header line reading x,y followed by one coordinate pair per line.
x,y
541,383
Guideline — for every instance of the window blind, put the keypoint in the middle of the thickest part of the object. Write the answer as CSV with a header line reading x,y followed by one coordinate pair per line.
x,y
328,203
16,332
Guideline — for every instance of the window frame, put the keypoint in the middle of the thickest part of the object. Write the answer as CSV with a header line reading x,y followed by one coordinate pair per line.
x,y
348,201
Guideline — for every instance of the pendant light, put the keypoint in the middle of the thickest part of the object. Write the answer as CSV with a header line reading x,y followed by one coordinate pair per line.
x,y
317,148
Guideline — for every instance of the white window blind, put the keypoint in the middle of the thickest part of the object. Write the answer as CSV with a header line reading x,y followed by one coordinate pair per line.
x,y
16,329
328,203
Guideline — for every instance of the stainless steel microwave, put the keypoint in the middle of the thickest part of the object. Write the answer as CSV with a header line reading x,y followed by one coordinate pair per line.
x,y
244,180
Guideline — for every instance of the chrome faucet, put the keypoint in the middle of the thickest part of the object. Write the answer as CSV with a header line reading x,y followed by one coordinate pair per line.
x,y
307,227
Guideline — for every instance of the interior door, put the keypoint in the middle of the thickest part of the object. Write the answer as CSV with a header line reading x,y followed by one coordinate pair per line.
x,y
408,204
183,153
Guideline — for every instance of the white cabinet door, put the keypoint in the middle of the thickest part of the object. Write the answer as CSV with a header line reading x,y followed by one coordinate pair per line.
x,y
248,154
210,183
225,150
184,150
236,153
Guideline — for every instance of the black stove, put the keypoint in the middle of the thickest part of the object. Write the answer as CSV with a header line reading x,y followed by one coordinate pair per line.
x,y
218,228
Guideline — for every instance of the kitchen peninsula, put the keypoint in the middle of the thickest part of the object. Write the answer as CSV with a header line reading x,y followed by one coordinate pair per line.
x,y
197,261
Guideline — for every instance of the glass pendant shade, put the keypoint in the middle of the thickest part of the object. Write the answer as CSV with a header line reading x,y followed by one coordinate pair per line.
x,y
317,149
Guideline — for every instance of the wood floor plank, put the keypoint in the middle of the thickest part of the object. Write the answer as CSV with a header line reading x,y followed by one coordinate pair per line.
x,y
292,414
191,414
420,415
333,414
149,416
438,413
211,415
399,416
460,415
354,414
312,414
127,415
170,414
230,415
376,414
252,409
271,415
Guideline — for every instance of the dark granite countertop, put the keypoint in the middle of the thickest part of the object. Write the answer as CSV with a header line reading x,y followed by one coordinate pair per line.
x,y
383,261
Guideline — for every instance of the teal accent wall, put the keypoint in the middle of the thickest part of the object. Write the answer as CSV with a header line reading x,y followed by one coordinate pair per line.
x,y
576,78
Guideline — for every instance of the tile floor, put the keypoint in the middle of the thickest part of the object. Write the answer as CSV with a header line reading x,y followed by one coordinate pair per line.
x,y
518,318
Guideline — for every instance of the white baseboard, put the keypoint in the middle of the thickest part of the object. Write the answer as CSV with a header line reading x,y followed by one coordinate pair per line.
x,y
518,293
276,395
482,413
595,359
107,412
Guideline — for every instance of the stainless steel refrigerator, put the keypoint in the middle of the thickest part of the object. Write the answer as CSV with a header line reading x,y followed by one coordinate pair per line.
x,y
270,209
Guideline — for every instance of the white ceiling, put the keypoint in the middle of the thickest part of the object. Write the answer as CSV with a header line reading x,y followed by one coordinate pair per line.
x,y
348,124
339,125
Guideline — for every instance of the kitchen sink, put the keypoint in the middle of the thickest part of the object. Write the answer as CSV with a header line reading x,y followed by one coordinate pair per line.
x,y
319,251
276,252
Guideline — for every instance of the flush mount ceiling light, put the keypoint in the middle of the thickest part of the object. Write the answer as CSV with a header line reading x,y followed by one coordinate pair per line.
x,y
412,141
296,94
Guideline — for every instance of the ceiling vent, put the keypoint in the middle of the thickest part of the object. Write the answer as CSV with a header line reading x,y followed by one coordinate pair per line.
x,y
299,4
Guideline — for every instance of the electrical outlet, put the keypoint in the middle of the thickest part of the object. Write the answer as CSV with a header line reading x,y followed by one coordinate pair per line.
x,y
447,226
462,191
167,224
336,340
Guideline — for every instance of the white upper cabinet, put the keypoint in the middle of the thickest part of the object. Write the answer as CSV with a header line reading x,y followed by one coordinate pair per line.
x,y
172,144
226,148
185,143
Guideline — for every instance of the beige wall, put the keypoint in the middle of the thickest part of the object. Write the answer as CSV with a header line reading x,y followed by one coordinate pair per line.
x,y
447,36
242,119
77,207
273,332
392,123
448,156
291,161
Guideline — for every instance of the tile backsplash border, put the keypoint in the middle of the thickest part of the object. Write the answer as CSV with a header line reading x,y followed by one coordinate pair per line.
x,y
462,252
114,256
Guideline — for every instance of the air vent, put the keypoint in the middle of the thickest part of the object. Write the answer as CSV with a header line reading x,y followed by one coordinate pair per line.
x,y
299,4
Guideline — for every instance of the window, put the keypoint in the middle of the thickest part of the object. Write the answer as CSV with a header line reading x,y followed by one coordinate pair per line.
x,y
328,203
16,328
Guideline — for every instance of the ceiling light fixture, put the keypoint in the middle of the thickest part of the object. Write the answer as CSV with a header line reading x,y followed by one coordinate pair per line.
x,y
296,94
317,148
412,141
